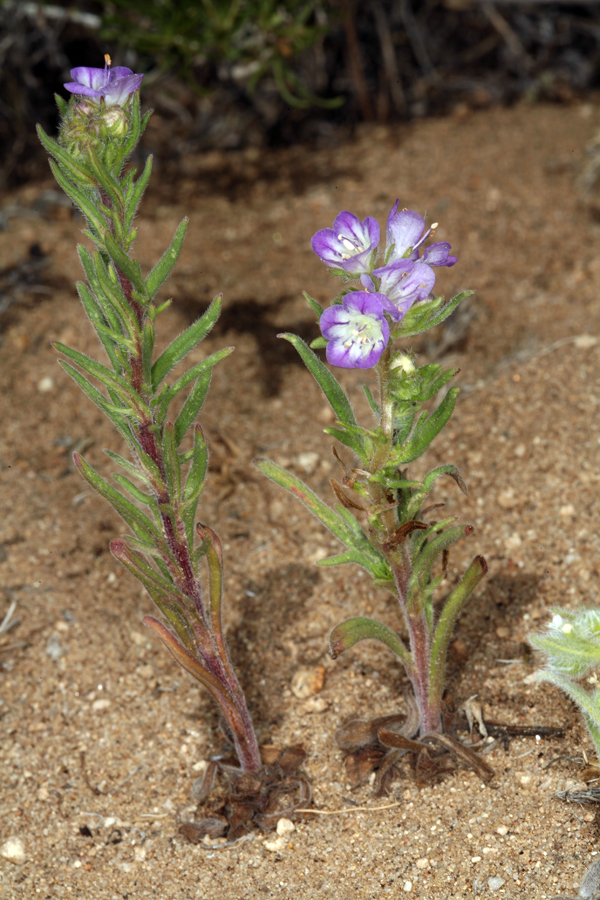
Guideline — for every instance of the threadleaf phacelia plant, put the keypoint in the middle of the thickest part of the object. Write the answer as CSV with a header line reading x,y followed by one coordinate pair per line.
x,y
386,296
100,127
571,644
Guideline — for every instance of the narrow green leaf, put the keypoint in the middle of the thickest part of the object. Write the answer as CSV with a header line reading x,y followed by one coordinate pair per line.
x,y
93,218
105,376
62,104
360,628
300,490
195,372
347,439
132,489
327,382
194,483
432,549
96,317
115,416
129,467
129,267
80,175
136,193
451,610
164,266
147,349
192,406
171,461
106,181
316,307
448,309
318,343
427,429
114,296
181,346
143,527
371,400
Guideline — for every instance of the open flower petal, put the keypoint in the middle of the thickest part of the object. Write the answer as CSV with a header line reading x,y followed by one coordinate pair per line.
x,y
349,245
404,230
357,331
405,282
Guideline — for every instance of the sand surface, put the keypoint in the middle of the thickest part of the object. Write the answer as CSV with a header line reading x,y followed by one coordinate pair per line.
x,y
102,736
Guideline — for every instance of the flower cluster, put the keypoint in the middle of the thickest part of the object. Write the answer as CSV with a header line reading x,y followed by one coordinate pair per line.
x,y
357,331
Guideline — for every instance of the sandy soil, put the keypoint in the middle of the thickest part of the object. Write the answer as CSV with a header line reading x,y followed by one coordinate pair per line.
x,y
103,737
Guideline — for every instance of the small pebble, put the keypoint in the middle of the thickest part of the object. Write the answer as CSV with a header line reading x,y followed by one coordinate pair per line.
x,y
513,541
276,845
495,883
568,510
408,886
507,499
502,829
14,851
285,826
308,461
422,863
307,682
45,385
314,705
101,704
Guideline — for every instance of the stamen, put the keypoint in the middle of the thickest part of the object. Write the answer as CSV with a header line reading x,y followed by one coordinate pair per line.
x,y
435,224
107,60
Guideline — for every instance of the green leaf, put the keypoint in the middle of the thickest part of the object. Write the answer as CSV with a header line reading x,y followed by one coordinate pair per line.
x,y
171,461
164,266
300,490
423,564
62,104
115,416
319,343
345,438
147,350
329,385
106,182
196,371
181,346
105,376
194,483
129,467
129,267
448,309
79,175
450,612
142,526
371,401
132,489
114,298
360,628
136,194
316,307
96,317
426,429
93,218
587,702
192,406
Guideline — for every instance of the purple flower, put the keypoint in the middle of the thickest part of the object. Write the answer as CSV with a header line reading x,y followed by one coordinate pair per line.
x,y
405,282
114,85
357,331
406,232
350,245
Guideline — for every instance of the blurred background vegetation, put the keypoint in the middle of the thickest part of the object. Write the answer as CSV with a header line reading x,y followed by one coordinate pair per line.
x,y
233,74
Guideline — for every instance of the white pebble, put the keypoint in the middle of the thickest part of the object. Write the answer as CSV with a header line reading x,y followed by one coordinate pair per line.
x,y
502,829
308,461
285,826
45,385
14,851
496,883
101,704
407,886
422,863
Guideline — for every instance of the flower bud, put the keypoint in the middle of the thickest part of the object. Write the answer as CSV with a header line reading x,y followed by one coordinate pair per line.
x,y
116,121
403,362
